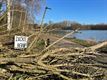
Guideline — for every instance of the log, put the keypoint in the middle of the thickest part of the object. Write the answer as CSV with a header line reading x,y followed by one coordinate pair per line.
x,y
17,60
98,46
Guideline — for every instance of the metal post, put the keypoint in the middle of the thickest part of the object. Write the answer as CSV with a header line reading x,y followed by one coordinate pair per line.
x,y
44,17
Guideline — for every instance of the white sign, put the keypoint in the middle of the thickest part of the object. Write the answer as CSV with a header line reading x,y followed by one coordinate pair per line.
x,y
20,42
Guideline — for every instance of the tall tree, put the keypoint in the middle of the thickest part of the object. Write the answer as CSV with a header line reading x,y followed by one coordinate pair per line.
x,y
31,8
8,15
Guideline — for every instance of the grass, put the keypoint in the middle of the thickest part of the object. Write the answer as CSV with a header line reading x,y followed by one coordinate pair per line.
x,y
40,44
81,42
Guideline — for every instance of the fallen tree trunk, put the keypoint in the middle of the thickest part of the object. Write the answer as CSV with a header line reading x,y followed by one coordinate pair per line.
x,y
98,45
17,60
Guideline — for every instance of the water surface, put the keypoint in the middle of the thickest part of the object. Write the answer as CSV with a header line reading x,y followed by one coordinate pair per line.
x,y
96,35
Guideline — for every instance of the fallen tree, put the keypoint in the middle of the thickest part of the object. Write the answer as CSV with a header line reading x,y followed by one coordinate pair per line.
x,y
63,62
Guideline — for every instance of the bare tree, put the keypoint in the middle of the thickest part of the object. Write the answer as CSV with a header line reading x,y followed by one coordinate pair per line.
x,y
30,8
8,15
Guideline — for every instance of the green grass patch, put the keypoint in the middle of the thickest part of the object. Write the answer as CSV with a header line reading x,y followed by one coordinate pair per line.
x,y
81,42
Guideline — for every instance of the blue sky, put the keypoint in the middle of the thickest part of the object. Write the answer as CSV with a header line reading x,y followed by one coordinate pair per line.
x,y
82,11
3,8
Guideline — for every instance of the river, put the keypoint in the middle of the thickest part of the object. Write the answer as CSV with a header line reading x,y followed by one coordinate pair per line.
x,y
96,35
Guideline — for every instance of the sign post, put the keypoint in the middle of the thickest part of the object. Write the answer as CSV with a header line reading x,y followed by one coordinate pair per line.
x,y
20,42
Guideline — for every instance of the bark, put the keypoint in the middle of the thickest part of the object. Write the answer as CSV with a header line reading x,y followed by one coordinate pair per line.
x,y
8,15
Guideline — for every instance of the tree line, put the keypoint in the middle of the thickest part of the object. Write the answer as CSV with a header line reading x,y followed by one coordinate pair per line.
x,y
68,25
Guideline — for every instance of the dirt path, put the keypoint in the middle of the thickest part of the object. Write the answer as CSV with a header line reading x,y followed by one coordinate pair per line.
x,y
63,43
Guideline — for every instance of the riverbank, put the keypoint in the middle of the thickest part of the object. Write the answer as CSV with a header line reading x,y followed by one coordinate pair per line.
x,y
92,35
85,43
82,43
